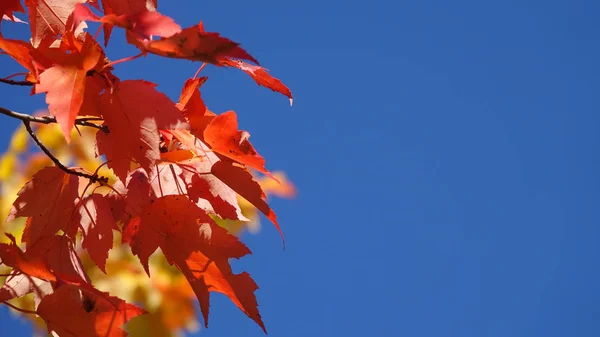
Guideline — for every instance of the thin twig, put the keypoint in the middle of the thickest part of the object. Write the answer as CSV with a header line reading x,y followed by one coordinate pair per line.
x,y
13,82
19,309
51,119
93,178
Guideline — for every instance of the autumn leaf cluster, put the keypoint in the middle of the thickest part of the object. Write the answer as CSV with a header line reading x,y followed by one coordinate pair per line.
x,y
174,172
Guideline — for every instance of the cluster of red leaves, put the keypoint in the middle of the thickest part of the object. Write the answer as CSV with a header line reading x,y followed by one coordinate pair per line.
x,y
178,166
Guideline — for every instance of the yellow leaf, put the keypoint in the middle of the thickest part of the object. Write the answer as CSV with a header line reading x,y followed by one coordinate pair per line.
x,y
19,140
7,165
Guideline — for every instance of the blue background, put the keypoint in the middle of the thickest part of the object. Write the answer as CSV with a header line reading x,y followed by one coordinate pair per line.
x,y
445,152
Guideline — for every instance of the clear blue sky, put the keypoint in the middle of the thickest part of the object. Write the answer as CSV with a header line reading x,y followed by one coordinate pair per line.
x,y
446,155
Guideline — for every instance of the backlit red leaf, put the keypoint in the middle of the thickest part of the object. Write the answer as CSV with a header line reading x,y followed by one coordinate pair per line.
x,y
134,112
8,7
242,182
18,285
198,247
74,312
193,43
49,200
19,50
223,136
65,84
260,76
48,17
97,223
144,23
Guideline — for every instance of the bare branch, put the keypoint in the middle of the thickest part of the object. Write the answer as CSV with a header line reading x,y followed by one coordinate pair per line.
x,y
93,178
13,82
19,309
84,121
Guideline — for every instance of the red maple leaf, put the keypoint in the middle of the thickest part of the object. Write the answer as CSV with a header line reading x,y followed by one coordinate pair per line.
x,y
260,76
18,285
193,107
194,43
223,136
74,312
144,23
178,166
47,18
49,200
206,190
8,7
34,266
124,7
65,82
19,50
241,181
198,247
134,112
51,258
97,223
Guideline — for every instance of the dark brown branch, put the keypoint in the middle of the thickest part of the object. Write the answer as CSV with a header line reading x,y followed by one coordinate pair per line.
x,y
85,121
13,82
28,119
93,178
19,309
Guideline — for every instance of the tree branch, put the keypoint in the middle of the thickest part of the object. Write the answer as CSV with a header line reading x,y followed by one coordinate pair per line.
x,y
13,82
28,119
93,178
19,309
85,121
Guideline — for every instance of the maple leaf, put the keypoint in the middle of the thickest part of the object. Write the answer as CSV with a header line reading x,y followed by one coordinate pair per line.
x,y
95,315
144,23
200,248
223,136
34,266
134,112
51,258
49,17
8,7
97,223
58,253
20,51
124,7
209,192
193,107
18,285
48,199
194,43
242,182
260,76
65,83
